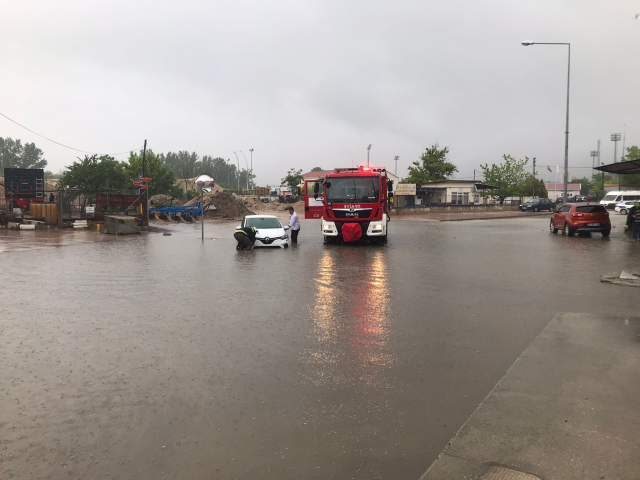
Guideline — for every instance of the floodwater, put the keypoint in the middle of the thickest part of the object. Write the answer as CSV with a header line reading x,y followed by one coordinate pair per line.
x,y
161,357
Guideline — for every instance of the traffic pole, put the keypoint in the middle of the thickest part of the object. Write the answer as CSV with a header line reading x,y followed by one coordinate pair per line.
x,y
144,193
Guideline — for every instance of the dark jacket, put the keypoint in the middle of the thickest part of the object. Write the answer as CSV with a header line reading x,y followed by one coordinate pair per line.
x,y
632,215
249,232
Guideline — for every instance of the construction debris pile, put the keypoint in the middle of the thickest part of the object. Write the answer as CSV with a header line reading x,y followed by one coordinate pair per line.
x,y
221,204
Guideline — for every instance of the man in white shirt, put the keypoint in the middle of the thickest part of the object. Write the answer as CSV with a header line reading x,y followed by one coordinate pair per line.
x,y
294,224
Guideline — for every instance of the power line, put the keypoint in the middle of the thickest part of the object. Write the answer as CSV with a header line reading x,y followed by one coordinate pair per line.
x,y
61,144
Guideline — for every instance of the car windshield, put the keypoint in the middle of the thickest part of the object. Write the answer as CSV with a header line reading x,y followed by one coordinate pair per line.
x,y
591,209
353,189
609,197
262,222
535,200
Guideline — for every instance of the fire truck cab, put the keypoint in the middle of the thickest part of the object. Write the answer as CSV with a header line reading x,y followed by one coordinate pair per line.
x,y
353,203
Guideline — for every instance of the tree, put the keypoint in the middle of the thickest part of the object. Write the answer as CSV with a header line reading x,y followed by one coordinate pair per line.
x,y
162,178
509,177
633,153
528,189
586,185
432,167
92,174
15,155
183,164
293,178
316,169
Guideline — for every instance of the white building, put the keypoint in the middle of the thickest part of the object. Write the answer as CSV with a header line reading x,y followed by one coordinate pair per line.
x,y
451,192
556,190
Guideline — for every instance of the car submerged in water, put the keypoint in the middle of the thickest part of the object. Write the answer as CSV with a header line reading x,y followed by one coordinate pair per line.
x,y
271,233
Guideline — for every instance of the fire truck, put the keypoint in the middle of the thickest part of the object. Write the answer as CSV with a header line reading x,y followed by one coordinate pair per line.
x,y
353,203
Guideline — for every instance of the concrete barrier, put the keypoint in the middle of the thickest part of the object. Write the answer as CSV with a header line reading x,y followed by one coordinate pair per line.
x,y
421,210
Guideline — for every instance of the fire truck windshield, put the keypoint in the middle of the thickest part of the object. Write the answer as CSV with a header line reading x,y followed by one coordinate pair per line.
x,y
353,189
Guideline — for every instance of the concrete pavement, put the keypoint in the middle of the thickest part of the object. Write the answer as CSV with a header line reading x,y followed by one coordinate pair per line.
x,y
568,408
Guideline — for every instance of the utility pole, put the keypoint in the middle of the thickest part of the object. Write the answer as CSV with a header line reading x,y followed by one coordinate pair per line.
x,y
144,193
615,138
368,150
594,155
396,159
534,177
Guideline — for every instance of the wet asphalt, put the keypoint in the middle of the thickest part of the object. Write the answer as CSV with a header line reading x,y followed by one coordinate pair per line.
x,y
162,357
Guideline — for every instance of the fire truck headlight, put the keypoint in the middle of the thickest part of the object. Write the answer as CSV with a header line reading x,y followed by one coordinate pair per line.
x,y
377,227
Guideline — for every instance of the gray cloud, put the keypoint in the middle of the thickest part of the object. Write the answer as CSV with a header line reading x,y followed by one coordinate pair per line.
x,y
313,83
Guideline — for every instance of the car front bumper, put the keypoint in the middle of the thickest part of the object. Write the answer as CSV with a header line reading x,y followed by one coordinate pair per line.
x,y
273,242
377,228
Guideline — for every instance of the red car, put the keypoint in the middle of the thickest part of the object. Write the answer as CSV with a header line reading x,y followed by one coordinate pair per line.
x,y
574,218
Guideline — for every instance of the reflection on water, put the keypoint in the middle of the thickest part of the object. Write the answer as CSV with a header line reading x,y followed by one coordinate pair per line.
x,y
350,318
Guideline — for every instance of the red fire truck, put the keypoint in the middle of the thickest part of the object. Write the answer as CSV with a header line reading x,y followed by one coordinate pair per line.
x,y
353,203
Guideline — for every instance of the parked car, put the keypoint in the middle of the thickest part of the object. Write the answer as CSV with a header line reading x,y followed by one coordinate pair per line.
x,y
538,204
271,233
624,207
574,218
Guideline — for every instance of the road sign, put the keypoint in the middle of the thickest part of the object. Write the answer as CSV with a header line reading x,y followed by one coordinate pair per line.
x,y
146,179
406,189
135,182
144,187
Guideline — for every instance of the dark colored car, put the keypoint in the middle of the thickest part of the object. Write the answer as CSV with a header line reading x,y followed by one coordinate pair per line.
x,y
538,204
574,218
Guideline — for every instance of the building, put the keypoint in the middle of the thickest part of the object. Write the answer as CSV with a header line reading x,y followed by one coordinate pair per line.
x,y
556,190
616,187
447,192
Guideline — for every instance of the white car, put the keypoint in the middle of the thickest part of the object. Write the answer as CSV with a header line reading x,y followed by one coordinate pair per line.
x,y
624,207
271,233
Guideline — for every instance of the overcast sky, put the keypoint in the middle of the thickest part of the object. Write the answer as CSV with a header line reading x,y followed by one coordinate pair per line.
x,y
312,82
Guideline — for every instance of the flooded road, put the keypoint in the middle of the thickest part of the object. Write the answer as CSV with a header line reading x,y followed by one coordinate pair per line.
x,y
161,357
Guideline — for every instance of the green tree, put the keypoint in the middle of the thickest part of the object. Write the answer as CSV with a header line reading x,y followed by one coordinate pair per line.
x,y
633,153
293,178
92,175
433,166
527,189
509,176
162,178
586,184
316,169
15,155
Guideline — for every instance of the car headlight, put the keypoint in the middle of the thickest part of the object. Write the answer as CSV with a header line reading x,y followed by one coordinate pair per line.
x,y
377,227
283,237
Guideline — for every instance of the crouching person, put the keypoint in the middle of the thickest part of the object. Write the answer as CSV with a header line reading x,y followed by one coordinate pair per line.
x,y
246,238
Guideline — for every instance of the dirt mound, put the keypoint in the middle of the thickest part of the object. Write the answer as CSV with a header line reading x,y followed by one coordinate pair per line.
x,y
222,204
217,188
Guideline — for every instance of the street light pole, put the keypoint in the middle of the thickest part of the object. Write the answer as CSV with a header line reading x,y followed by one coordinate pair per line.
x,y
368,150
566,133
251,155
396,158
238,160
247,162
